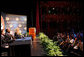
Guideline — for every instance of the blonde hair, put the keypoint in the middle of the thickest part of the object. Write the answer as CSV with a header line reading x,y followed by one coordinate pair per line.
x,y
17,30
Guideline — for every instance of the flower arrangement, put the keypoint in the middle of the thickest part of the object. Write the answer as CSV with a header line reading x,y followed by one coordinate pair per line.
x,y
50,47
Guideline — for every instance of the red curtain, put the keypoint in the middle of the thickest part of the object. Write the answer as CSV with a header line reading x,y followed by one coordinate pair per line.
x,y
37,19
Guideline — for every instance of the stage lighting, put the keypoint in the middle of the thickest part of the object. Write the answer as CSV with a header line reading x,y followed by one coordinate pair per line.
x,y
25,19
11,25
11,32
20,25
7,18
17,19
25,28
20,31
53,8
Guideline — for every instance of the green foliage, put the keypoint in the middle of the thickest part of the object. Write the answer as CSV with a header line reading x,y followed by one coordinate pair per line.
x,y
20,34
27,33
50,47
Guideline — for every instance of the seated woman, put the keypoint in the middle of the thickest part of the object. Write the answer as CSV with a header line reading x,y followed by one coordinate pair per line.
x,y
17,34
8,36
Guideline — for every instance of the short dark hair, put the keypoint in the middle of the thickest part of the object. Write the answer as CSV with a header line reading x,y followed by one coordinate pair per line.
x,y
7,30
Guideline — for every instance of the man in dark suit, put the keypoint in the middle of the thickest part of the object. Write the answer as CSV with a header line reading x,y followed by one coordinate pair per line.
x,y
8,36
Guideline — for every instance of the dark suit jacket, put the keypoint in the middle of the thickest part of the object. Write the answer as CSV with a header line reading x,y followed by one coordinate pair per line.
x,y
17,36
8,37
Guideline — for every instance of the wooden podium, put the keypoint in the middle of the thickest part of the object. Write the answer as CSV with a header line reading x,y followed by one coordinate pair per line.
x,y
32,32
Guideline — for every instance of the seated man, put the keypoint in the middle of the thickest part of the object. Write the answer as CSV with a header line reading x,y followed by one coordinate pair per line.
x,y
4,45
8,36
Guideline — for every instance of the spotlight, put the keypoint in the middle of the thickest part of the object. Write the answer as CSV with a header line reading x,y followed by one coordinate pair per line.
x,y
17,19
25,28
11,26
7,18
25,19
20,25
53,8
20,31
11,32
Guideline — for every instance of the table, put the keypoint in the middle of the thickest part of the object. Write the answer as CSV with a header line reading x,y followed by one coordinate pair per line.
x,y
21,47
22,41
